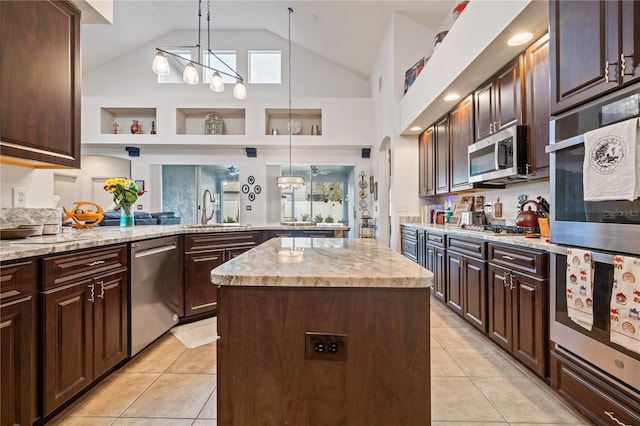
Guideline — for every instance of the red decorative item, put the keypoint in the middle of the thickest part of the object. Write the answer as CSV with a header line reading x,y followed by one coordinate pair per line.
x,y
134,127
459,8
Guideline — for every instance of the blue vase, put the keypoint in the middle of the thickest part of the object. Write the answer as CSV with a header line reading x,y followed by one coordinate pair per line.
x,y
126,215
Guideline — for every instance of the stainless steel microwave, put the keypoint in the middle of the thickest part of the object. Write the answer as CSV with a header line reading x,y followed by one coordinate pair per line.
x,y
500,158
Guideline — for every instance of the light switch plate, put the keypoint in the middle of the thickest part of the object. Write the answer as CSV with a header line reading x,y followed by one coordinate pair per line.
x,y
19,197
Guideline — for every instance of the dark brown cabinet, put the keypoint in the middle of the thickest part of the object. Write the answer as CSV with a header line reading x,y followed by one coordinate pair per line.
x,y
18,343
592,394
85,326
436,262
409,242
204,252
460,137
40,83
466,284
441,131
537,94
518,308
498,102
595,48
427,163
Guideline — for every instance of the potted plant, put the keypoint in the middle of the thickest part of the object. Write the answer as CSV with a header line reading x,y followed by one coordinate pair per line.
x,y
306,217
329,219
317,218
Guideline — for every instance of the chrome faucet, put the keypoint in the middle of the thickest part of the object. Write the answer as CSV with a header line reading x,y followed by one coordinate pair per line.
x,y
212,198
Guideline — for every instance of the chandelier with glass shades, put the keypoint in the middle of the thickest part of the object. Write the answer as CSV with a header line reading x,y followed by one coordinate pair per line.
x,y
190,75
290,182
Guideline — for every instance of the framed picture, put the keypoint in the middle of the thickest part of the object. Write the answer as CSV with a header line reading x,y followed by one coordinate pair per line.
x,y
371,184
375,191
140,184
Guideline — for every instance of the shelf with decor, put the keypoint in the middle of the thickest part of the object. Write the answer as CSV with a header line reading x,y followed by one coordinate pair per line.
x,y
124,118
306,121
210,121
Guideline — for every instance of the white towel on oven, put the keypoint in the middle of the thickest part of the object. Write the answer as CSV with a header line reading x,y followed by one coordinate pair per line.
x,y
625,303
610,168
579,287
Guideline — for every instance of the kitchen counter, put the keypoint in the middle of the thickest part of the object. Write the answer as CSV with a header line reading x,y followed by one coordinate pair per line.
x,y
75,239
512,239
322,262
333,332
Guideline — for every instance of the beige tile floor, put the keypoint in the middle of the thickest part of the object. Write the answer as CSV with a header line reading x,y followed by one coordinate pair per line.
x,y
473,383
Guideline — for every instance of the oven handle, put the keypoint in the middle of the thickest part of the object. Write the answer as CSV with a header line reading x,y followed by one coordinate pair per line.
x,y
567,143
595,255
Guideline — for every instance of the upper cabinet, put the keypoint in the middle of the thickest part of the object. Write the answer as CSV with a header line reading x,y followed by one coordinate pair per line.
x,y
536,63
595,48
499,101
460,137
441,132
40,83
427,165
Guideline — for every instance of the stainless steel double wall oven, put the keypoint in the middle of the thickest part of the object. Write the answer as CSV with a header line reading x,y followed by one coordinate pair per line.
x,y
607,228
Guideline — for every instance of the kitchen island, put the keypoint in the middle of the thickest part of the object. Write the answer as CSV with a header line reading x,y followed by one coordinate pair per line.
x,y
323,331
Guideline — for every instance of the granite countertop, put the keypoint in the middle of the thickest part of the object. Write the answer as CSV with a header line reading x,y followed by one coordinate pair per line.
x,y
75,239
322,262
515,240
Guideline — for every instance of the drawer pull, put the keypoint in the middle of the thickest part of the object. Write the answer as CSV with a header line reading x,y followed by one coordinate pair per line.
x,y
92,299
97,262
610,415
508,257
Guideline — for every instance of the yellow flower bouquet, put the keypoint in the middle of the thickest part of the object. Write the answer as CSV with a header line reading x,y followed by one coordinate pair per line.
x,y
125,193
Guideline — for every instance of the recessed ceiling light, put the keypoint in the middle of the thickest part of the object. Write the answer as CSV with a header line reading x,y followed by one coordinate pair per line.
x,y
452,97
415,128
520,38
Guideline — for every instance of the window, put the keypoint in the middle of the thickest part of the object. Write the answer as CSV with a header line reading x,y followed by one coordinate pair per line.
x,y
226,56
176,67
265,67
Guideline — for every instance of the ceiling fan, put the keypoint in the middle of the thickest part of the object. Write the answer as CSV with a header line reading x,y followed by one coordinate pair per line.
x,y
316,171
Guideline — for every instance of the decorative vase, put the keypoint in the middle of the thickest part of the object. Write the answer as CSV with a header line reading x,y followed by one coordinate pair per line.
x,y
135,127
126,215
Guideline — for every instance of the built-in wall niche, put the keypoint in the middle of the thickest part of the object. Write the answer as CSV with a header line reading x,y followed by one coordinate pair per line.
x,y
198,121
305,119
124,117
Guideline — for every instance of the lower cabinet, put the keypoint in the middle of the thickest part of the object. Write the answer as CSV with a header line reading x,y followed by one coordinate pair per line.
x,y
466,272
204,252
593,395
85,326
518,309
17,341
409,242
437,263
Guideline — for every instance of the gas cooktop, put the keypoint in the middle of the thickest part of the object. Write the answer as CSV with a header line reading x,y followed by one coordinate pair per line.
x,y
506,230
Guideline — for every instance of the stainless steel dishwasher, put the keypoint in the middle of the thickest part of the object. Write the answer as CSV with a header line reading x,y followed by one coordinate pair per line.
x,y
155,290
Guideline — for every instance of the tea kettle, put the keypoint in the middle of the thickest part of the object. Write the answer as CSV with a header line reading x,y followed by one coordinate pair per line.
x,y
528,218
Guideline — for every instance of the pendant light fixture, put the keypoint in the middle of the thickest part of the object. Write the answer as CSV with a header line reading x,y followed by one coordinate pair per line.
x,y
290,182
191,75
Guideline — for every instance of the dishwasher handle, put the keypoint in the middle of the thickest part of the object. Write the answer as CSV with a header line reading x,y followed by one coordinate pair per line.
x,y
154,250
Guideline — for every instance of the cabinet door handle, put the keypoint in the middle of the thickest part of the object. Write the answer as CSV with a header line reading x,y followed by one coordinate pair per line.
x,y
606,72
92,299
101,295
97,262
610,414
504,280
490,128
432,253
623,64
511,284
507,257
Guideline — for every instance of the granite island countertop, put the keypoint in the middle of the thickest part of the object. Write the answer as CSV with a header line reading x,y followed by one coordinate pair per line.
x,y
322,262
75,239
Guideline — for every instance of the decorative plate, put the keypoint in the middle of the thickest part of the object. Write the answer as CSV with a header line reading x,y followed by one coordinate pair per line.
x,y
363,204
257,189
363,184
363,193
251,180
252,196
295,127
245,189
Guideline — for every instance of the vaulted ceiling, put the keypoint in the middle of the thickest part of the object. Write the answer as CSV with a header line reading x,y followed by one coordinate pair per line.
x,y
348,33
